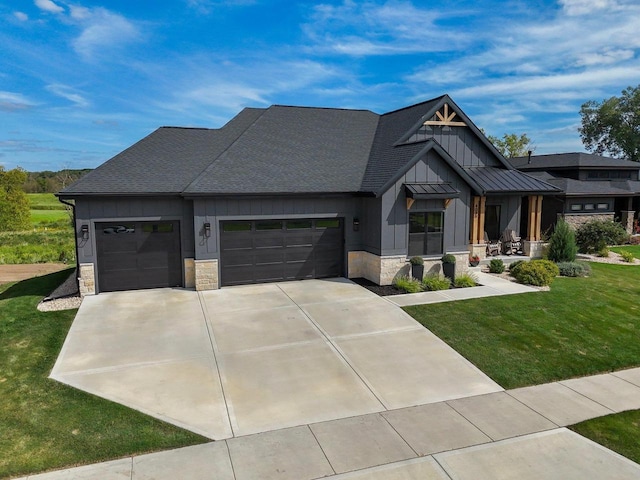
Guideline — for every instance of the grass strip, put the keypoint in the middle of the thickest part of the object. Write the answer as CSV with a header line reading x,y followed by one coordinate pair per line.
x,y
619,432
47,425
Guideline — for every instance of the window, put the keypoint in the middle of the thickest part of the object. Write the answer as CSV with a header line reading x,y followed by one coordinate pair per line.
x,y
157,227
329,223
576,207
589,206
298,224
603,206
112,229
236,226
269,225
426,233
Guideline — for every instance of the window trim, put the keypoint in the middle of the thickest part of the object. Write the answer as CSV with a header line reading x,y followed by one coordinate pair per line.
x,y
426,212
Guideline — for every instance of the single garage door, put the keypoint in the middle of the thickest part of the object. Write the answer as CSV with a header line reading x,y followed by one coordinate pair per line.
x,y
257,251
135,255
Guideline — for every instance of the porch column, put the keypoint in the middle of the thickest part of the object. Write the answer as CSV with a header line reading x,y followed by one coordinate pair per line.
x,y
535,218
477,220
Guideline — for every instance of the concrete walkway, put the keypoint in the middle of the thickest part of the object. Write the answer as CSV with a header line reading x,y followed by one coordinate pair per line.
x,y
490,286
502,435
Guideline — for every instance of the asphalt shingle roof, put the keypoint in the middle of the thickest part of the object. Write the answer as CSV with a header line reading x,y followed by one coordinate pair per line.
x,y
597,188
294,150
288,150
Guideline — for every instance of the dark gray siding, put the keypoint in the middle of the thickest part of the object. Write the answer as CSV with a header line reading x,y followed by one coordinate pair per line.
x,y
213,210
99,209
465,147
370,225
395,216
509,211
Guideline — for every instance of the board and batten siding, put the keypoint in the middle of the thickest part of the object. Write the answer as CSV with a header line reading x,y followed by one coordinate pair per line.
x,y
510,207
213,210
463,145
395,216
105,209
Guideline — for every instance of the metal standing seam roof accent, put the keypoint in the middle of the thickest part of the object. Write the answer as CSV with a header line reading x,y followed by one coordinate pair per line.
x,y
420,191
498,180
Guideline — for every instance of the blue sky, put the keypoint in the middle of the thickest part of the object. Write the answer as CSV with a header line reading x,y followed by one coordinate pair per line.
x,y
80,81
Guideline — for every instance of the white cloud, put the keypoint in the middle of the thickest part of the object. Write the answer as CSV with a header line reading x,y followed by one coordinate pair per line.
x,y
11,102
23,17
48,6
585,7
367,28
68,93
101,30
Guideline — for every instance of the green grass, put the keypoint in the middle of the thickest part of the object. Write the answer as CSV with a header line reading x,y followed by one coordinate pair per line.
x,y
583,326
50,238
47,425
634,249
619,432
45,201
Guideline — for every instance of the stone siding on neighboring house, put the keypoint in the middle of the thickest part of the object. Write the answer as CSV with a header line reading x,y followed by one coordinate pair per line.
x,y
576,220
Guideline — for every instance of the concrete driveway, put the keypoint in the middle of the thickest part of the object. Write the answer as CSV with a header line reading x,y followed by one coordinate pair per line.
x,y
251,359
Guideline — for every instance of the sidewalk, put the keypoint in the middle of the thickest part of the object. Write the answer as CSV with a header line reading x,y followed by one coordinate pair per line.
x,y
512,434
490,286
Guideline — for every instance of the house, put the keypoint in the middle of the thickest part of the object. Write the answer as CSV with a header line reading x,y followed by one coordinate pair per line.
x,y
284,193
593,187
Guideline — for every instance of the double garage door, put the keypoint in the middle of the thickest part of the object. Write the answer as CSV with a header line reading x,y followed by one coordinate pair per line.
x,y
257,251
135,255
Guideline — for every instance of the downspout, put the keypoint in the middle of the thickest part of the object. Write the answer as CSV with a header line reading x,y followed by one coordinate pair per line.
x,y
75,238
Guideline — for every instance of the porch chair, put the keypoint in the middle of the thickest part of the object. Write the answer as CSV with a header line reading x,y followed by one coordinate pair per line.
x,y
511,243
493,246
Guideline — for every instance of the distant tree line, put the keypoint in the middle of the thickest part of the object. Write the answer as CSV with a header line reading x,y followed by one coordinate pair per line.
x,y
52,182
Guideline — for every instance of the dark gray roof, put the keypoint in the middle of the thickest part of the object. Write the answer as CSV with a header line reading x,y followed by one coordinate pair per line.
x,y
431,190
570,161
595,188
165,161
492,180
294,150
291,150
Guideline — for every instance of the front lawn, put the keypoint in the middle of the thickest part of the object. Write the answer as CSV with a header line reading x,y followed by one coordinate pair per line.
x,y
583,326
45,424
634,249
620,432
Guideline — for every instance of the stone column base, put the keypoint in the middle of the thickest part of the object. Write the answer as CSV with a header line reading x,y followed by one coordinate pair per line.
x,y
626,219
479,249
206,275
534,249
86,279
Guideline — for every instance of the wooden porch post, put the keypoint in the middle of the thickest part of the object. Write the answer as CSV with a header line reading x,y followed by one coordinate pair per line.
x,y
535,217
477,220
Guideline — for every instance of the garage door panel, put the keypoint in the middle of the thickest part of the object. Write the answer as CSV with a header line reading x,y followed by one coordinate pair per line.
x,y
138,255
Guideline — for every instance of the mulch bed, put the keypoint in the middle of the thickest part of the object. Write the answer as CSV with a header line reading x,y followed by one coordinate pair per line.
x,y
381,290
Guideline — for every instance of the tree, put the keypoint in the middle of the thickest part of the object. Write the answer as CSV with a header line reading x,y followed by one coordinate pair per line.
x,y
512,145
613,126
562,244
14,204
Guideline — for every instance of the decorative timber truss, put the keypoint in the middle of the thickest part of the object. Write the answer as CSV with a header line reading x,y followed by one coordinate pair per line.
x,y
444,118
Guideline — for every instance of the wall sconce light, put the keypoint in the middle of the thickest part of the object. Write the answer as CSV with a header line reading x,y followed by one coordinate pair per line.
x,y
356,224
207,229
84,230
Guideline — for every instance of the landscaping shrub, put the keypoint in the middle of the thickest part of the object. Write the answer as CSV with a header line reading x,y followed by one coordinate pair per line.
x,y
407,284
603,251
562,244
514,266
496,266
537,272
574,269
627,256
465,280
434,282
591,235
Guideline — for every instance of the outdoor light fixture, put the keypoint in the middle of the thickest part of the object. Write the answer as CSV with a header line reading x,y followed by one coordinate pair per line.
x,y
356,224
84,229
207,229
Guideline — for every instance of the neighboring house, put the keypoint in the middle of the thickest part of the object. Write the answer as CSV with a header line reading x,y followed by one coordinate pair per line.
x,y
593,187
284,193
